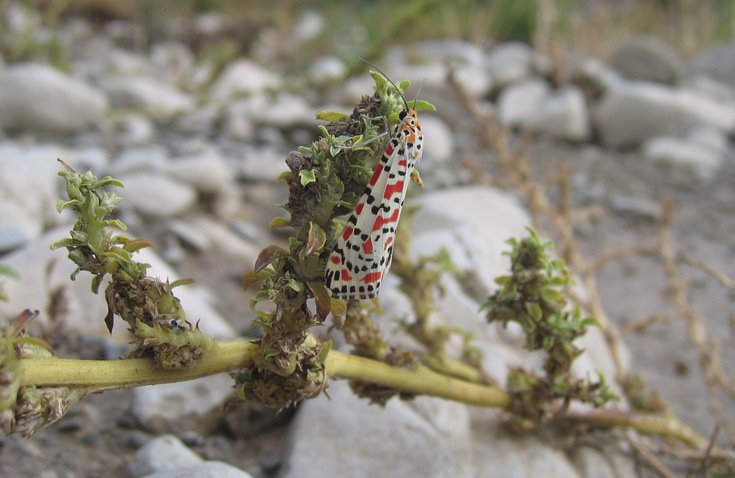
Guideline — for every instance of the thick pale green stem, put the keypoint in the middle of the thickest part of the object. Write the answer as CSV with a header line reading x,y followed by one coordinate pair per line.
x,y
230,356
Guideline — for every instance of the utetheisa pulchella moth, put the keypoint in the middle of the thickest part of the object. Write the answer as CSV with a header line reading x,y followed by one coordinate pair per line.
x,y
364,249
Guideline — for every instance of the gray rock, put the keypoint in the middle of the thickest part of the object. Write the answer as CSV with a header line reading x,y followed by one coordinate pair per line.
x,y
515,61
326,70
173,62
353,89
647,58
225,240
148,94
37,97
264,163
563,115
717,62
497,454
208,469
207,171
89,158
138,159
591,462
199,121
595,77
519,103
156,195
164,407
438,140
697,155
425,437
634,112
163,453
285,110
242,77
133,130
189,234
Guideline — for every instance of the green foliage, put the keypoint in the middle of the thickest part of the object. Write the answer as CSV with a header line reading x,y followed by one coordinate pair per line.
x,y
533,297
325,180
154,315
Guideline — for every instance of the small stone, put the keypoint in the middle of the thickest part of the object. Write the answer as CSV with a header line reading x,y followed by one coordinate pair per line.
x,y
190,235
647,58
140,159
264,164
133,130
563,115
701,158
37,97
243,76
519,103
173,62
157,195
717,62
634,112
207,170
326,70
438,139
636,207
148,94
513,62
163,453
208,469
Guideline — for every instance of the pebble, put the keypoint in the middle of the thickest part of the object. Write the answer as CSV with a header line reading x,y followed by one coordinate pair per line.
x,y
208,469
36,97
326,70
241,77
512,62
156,195
438,140
716,62
563,115
647,58
163,453
519,103
148,94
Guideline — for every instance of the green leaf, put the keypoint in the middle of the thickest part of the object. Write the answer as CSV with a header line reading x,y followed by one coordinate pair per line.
x,y
308,176
279,221
253,278
534,310
419,105
331,116
294,285
8,271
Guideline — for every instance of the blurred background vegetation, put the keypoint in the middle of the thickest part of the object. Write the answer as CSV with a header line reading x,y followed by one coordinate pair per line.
x,y
586,27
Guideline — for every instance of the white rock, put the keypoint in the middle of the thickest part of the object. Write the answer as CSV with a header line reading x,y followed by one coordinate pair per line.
x,y
479,220
224,240
515,61
138,159
37,97
438,140
165,452
498,454
207,171
189,234
237,122
88,158
285,110
149,94
208,469
29,184
133,130
596,76
310,24
156,195
590,461
264,164
703,160
519,103
634,112
563,115
351,91
172,61
159,405
241,77
326,70
425,437
710,88
199,121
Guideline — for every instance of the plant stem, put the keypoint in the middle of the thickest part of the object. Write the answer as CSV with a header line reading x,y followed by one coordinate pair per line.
x,y
230,356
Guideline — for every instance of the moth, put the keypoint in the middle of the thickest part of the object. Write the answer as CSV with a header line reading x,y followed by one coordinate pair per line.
x,y
364,250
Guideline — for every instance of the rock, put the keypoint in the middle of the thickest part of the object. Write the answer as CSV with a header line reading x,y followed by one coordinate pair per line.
x,y
207,170
89,158
699,155
241,77
200,121
29,184
496,453
133,130
326,70
310,25
263,164
353,89
515,61
148,94
637,111
237,123
590,462
595,78
438,140
37,97
166,407
717,62
156,195
208,469
426,437
226,241
519,103
139,159
473,223
285,110
173,62
428,60
162,453
647,58
636,207
190,235
563,115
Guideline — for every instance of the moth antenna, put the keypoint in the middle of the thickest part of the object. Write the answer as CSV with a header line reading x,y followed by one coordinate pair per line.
x,y
386,77
415,98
